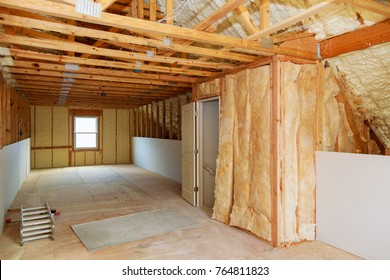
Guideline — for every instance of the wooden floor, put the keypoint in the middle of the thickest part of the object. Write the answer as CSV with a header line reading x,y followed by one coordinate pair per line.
x,y
86,194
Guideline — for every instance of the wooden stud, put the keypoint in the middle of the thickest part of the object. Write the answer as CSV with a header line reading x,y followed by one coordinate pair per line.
x,y
151,121
170,119
158,120
140,9
275,159
164,120
179,118
320,84
147,121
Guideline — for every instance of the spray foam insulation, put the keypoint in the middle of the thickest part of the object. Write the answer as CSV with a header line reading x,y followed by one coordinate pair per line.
x,y
367,74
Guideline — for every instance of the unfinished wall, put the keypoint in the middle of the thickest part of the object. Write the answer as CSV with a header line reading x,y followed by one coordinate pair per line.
x,y
14,145
160,119
52,137
271,125
14,115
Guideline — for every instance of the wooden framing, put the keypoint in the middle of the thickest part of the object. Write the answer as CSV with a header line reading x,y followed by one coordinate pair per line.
x,y
360,39
275,159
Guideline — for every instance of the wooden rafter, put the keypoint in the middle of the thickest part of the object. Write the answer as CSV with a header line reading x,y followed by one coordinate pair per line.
x,y
370,5
294,19
360,39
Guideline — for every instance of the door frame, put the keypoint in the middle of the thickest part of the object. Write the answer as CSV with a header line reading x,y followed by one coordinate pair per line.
x,y
199,139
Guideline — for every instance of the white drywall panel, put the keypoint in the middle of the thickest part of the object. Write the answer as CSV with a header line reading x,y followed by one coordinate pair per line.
x,y
353,209
158,155
14,168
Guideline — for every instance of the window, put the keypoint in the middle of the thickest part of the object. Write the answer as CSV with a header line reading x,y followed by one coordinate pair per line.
x,y
86,132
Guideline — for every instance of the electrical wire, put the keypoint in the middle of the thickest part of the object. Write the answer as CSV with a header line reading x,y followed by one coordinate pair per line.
x,y
173,14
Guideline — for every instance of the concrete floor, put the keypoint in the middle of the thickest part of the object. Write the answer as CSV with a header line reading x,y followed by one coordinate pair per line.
x,y
86,194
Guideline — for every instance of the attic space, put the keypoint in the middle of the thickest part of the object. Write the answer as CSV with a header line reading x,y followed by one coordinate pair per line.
x,y
219,129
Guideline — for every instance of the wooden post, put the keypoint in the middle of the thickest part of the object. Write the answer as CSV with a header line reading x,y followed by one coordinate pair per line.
x,y
164,123
179,118
387,152
320,84
275,159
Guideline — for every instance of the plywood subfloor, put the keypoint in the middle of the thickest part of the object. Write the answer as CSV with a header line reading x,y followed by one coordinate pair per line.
x,y
84,194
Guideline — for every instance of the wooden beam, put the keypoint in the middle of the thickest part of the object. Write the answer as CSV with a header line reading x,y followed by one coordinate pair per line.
x,y
137,25
89,77
370,5
264,9
322,6
105,3
220,13
95,71
246,20
83,48
72,30
360,39
100,62
350,116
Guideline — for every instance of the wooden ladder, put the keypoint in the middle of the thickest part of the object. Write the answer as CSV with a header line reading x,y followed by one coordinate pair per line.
x,y
36,223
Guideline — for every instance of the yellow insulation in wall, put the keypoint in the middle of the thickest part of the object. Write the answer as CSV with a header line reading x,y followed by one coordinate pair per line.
x,y
109,136
123,136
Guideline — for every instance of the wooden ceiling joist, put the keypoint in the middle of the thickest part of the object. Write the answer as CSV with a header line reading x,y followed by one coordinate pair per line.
x,y
83,48
101,63
294,19
35,72
93,71
112,20
120,38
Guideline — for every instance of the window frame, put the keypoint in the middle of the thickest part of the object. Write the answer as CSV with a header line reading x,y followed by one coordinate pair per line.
x,y
92,116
